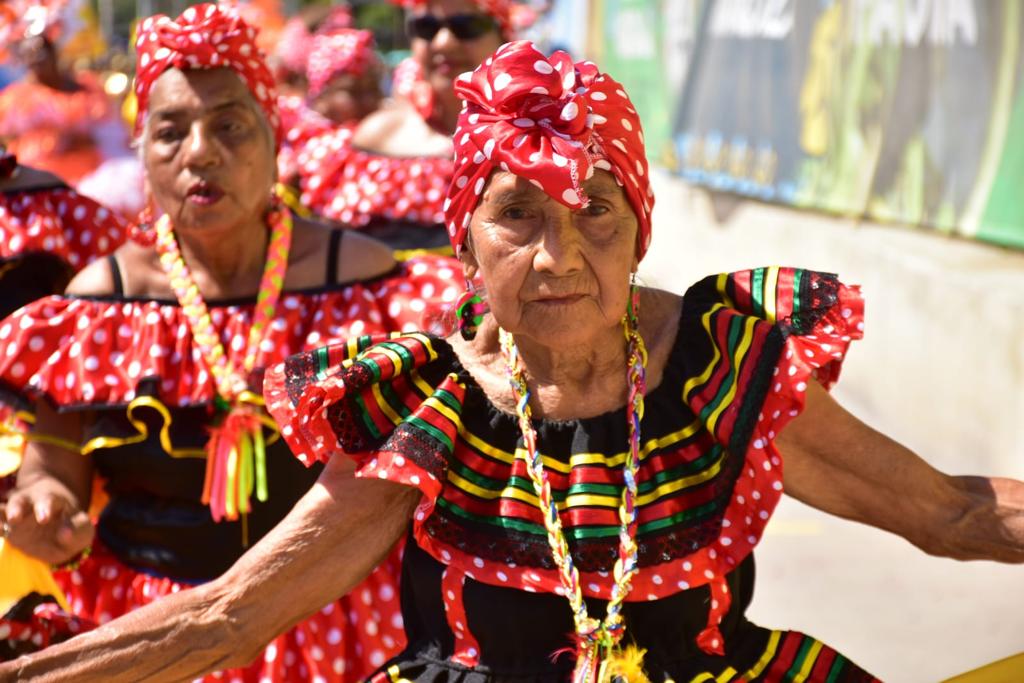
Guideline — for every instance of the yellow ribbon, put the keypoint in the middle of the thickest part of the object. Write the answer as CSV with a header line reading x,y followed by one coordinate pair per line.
x,y
142,430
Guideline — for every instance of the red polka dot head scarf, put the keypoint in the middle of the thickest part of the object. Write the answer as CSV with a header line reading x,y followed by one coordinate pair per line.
x,y
342,51
203,37
548,120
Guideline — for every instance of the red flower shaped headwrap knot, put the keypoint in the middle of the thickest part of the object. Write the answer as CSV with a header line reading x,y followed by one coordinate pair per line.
x,y
203,37
550,121
342,51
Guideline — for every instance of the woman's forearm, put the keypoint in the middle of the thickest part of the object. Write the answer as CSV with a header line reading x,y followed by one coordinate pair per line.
x,y
336,534
172,639
836,463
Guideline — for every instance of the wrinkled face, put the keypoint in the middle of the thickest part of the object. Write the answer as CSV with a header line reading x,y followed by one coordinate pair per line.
x,y
445,56
348,97
556,275
208,150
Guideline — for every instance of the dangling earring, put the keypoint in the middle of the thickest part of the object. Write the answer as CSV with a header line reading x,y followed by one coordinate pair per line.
x,y
633,305
141,231
469,312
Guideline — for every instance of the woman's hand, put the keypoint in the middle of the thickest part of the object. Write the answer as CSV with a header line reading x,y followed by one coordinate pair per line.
x,y
43,520
836,463
46,515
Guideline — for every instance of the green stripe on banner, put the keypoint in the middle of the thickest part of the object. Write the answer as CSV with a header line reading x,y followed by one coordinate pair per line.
x,y
448,399
480,480
524,484
574,533
387,392
372,365
685,516
685,470
408,360
503,522
757,292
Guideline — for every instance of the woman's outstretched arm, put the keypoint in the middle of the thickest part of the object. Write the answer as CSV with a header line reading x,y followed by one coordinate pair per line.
x,y
836,463
333,538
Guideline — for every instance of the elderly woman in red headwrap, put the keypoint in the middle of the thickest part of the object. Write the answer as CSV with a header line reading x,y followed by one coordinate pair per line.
x,y
343,73
148,373
389,175
585,468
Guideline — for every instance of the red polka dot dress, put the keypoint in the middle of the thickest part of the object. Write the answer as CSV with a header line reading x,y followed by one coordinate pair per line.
x,y
53,231
357,187
361,188
483,599
134,365
300,125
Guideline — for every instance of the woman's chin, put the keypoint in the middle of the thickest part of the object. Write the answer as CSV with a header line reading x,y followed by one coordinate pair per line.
x,y
566,326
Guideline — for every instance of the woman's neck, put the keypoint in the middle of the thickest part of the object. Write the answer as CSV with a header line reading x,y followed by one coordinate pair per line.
x,y
565,382
226,263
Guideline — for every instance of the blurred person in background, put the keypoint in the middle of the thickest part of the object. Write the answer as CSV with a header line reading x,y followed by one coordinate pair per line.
x,y
389,175
343,77
147,373
54,120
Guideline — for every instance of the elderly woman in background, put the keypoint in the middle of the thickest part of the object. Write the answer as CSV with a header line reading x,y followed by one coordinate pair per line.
x,y
343,72
585,470
148,373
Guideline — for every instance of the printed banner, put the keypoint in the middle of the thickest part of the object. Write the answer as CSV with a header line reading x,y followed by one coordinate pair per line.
x,y
909,111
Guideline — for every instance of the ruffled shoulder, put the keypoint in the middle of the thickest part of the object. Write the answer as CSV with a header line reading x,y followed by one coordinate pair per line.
x,y
391,402
60,222
755,338
750,343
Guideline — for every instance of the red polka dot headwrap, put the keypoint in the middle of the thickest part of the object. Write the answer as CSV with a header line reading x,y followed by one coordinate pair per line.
x,y
548,120
203,37
342,51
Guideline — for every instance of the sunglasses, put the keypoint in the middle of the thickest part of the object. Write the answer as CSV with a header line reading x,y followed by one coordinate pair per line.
x,y
462,26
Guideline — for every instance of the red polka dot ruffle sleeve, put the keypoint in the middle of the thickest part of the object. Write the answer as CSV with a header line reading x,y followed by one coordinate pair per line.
x,y
60,222
95,351
356,187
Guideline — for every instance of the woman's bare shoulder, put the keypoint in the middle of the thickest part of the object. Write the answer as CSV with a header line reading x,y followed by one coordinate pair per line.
x,y
98,278
359,257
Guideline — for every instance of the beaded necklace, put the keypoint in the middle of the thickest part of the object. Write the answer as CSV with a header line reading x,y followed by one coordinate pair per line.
x,y
236,451
597,655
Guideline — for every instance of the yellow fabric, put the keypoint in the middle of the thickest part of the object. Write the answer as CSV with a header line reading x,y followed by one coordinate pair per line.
x,y
21,575
1009,670
12,445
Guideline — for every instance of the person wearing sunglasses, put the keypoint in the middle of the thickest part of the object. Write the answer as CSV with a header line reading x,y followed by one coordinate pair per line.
x,y
389,175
